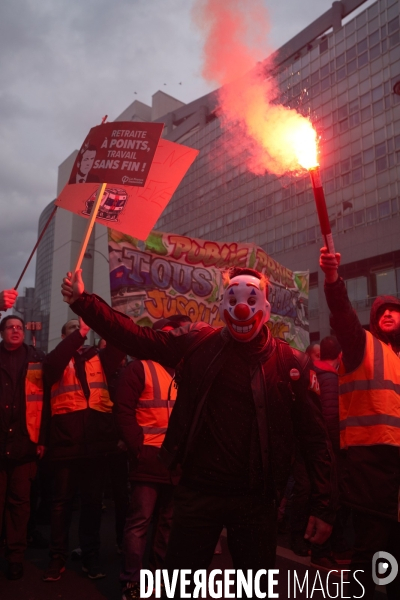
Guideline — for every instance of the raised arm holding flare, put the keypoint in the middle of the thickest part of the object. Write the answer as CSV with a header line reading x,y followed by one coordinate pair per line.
x,y
241,394
369,410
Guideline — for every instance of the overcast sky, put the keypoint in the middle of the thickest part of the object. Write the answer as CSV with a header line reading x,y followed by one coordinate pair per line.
x,y
66,63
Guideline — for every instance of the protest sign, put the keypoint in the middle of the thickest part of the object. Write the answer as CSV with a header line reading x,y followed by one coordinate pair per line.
x,y
126,207
173,274
117,153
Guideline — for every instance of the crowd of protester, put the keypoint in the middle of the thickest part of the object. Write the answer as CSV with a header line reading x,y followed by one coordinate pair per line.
x,y
202,429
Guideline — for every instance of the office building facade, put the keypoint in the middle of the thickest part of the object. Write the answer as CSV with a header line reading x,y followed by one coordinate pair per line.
x,y
341,70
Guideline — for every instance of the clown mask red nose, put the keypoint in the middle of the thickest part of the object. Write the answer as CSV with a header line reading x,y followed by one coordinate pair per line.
x,y
244,307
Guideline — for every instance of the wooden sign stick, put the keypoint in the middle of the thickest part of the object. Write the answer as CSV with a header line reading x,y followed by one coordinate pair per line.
x,y
91,222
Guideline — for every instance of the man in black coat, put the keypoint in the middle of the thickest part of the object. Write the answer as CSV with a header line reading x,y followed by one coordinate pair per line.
x,y
82,433
369,404
22,434
145,396
232,426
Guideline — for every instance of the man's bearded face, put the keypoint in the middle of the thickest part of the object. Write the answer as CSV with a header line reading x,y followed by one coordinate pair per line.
x,y
244,307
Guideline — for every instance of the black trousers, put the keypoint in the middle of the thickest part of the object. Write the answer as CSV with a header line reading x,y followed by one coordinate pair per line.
x,y
250,521
373,534
87,475
15,486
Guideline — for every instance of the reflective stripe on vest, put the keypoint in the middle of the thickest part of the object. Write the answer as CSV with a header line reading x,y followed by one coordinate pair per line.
x,y
369,406
67,394
34,400
153,407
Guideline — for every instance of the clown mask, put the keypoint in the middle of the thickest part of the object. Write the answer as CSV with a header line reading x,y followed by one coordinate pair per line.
x,y
244,307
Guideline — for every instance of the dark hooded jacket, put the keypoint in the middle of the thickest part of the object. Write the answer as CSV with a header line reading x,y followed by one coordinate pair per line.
x,y
371,474
328,380
280,410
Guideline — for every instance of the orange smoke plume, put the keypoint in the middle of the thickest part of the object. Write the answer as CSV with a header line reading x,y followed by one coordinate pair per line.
x,y
270,135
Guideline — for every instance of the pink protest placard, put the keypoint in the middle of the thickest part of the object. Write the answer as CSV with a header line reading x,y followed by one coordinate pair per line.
x,y
128,208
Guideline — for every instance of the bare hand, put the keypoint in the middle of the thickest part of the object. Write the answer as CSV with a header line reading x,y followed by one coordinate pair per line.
x,y
40,451
83,328
329,264
7,299
72,286
317,531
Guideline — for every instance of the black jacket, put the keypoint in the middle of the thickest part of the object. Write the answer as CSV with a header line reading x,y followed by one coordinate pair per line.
x,y
370,477
328,380
85,432
14,439
279,413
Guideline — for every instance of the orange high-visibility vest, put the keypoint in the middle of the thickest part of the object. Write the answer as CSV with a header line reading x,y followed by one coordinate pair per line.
x,y
34,400
67,394
154,408
369,398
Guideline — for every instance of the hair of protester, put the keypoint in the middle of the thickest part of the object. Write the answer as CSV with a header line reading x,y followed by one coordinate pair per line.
x,y
174,321
180,319
329,348
309,348
232,272
64,327
7,318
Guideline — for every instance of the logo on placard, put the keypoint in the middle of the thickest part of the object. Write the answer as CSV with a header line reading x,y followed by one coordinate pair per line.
x,y
111,206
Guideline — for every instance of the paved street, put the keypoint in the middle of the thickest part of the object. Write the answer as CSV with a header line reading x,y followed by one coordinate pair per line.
x,y
74,585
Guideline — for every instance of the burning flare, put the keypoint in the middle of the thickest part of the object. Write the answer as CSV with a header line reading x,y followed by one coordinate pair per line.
x,y
304,142
266,135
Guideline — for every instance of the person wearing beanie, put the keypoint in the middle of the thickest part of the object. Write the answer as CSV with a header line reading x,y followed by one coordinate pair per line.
x,y
369,412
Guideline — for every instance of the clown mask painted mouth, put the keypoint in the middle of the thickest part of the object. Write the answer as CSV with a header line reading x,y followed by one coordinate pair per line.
x,y
244,330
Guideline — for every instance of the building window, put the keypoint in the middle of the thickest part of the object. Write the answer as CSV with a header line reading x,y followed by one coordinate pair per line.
x,y
386,282
362,46
323,47
357,290
313,303
393,25
368,155
374,52
301,238
394,39
362,59
366,113
348,221
311,235
372,214
384,209
359,217
381,164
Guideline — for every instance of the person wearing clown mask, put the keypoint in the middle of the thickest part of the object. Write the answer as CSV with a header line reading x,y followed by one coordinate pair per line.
x,y
242,395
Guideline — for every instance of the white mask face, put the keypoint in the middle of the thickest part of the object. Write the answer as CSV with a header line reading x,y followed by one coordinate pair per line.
x,y
244,307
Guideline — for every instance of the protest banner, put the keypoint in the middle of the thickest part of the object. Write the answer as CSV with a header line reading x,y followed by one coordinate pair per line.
x,y
117,153
124,205
174,274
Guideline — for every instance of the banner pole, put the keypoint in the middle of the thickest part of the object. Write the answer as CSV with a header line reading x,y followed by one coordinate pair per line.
x,y
91,222
53,212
